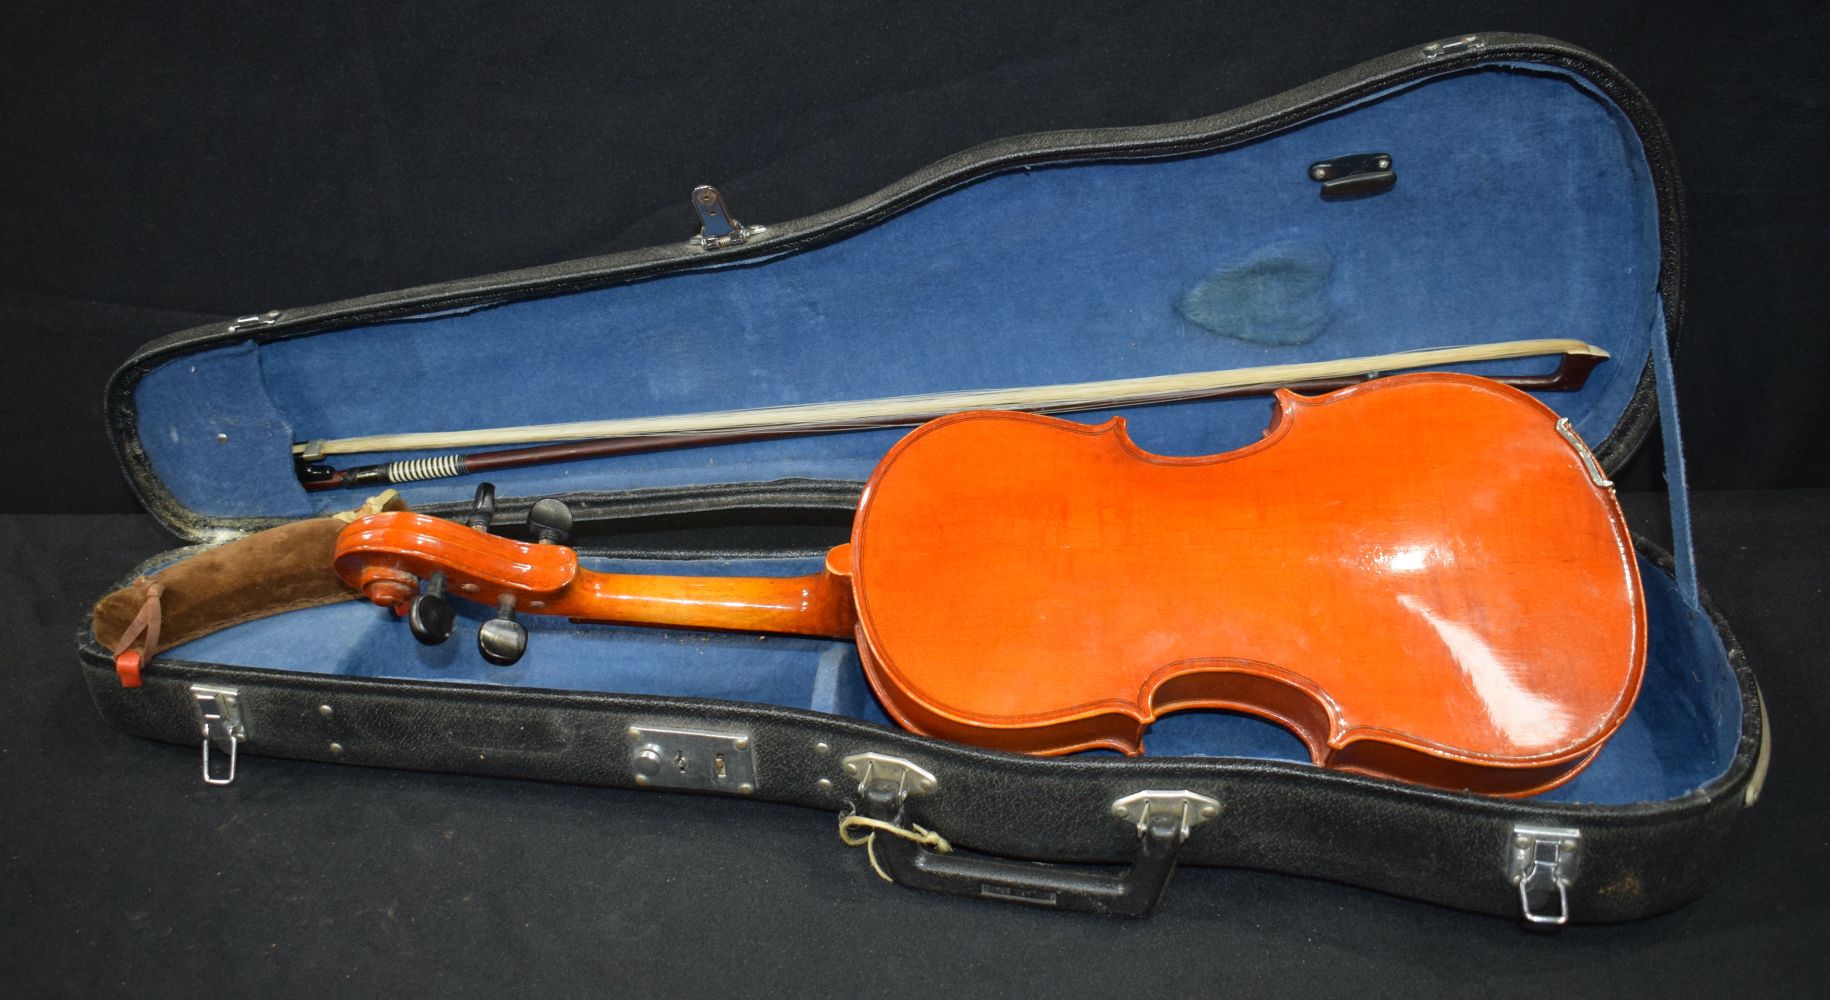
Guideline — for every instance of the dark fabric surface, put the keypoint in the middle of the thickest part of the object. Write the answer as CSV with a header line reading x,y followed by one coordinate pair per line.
x,y
123,874
166,166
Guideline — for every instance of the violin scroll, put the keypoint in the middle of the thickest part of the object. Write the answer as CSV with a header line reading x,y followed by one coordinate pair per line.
x,y
387,556
413,563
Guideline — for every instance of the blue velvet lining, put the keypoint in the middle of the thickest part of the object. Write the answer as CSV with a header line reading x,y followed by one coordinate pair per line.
x,y
1523,208
1681,733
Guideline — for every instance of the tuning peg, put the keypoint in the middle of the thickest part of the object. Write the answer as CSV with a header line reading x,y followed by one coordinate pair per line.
x,y
502,639
429,614
550,521
483,508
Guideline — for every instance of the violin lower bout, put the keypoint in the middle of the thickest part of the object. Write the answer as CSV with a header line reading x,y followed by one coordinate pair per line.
x,y
1240,686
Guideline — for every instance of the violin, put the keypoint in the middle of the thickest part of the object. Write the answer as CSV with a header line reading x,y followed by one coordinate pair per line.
x,y
1424,577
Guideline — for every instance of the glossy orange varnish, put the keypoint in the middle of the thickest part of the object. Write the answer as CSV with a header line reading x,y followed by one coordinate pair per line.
x,y
1420,562
1416,575
386,555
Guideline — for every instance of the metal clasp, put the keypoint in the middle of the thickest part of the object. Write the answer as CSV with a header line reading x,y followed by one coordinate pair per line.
x,y
1542,860
219,717
717,227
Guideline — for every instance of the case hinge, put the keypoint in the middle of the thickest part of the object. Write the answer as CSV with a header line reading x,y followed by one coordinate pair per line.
x,y
254,321
1541,862
1454,46
717,227
219,718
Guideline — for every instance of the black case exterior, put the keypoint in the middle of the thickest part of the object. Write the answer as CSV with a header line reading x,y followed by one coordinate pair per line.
x,y
1450,848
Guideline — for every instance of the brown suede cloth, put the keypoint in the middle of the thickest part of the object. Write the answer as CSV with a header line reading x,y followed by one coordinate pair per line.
x,y
266,573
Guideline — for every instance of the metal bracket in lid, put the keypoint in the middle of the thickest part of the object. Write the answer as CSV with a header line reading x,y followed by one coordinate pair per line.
x,y
1354,176
219,718
1542,862
717,227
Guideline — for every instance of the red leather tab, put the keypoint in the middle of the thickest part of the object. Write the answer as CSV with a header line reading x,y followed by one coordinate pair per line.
x,y
127,667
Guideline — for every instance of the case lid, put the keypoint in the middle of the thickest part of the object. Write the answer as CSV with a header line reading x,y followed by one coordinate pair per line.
x,y
1534,198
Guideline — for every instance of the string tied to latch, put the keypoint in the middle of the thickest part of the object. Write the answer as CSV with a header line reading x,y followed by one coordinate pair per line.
x,y
145,626
914,832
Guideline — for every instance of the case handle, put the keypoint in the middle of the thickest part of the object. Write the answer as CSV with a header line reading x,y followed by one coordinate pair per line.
x,y
1135,892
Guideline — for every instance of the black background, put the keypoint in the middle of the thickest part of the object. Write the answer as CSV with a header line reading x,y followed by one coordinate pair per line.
x,y
165,167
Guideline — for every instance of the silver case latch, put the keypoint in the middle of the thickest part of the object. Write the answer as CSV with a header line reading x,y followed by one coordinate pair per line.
x,y
1542,863
219,721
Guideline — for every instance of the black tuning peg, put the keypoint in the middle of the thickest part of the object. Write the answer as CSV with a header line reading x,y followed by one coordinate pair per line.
x,y
550,522
483,508
429,614
502,639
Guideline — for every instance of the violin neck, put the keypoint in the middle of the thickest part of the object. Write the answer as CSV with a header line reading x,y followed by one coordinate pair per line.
x,y
819,604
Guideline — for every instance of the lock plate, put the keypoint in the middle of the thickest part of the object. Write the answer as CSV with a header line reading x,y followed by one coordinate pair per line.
x,y
697,759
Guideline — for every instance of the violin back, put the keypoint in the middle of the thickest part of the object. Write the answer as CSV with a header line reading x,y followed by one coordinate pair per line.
x,y
1424,577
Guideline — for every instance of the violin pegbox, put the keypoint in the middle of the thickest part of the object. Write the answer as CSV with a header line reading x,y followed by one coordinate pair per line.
x,y
502,640
414,564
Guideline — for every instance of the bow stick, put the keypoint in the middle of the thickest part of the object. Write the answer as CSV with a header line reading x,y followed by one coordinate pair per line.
x,y
602,438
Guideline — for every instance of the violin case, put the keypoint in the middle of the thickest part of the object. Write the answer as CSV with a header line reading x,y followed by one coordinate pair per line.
x,y
1529,192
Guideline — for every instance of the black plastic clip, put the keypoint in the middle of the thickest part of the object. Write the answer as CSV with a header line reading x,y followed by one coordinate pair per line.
x,y
1355,176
